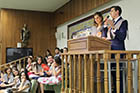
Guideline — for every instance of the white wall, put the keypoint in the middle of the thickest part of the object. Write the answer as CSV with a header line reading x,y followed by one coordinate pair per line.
x,y
130,12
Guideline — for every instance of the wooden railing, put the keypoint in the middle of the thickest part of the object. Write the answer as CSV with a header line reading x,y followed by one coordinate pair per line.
x,y
20,63
81,72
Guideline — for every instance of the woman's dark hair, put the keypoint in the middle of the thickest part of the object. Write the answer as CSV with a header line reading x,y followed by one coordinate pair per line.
x,y
16,70
7,69
57,60
26,75
48,52
42,61
100,15
66,48
57,49
61,50
40,58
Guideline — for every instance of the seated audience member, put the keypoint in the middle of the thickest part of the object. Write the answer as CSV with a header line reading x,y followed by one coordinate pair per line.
x,y
50,61
39,70
31,69
24,86
1,76
65,50
57,52
16,80
48,52
7,78
14,84
29,65
55,77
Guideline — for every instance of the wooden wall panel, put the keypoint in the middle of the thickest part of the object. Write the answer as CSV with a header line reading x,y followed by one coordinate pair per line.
x,y
39,24
75,8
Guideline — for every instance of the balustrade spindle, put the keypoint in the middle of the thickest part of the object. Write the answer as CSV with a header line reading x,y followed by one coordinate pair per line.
x,y
70,74
66,73
92,61
98,74
117,57
85,73
74,57
80,73
62,73
105,56
129,73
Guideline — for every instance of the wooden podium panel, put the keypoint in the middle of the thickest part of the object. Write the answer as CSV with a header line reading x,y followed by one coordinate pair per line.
x,y
89,43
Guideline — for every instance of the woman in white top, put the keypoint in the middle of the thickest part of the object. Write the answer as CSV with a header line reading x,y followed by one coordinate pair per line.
x,y
98,22
8,77
55,77
16,80
24,86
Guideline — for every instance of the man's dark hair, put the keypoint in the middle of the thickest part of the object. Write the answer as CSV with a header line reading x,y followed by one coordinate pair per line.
x,y
117,8
57,48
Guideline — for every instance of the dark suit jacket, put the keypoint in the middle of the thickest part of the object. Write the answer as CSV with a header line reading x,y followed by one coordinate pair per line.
x,y
118,42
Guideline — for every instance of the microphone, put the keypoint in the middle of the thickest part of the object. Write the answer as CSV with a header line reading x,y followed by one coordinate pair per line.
x,y
106,18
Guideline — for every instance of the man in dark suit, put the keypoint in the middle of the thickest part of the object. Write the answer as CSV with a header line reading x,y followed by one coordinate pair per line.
x,y
115,30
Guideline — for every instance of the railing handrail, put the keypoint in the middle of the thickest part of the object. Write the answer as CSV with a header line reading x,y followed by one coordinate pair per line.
x,y
12,62
102,52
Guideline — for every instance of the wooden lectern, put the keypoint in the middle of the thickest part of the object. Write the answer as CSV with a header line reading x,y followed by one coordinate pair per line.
x,y
89,43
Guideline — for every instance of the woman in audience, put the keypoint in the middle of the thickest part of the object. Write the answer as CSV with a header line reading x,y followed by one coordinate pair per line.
x,y
29,65
16,80
14,84
48,52
55,77
38,65
7,78
31,68
35,73
65,50
46,56
24,86
1,77
98,21
57,52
